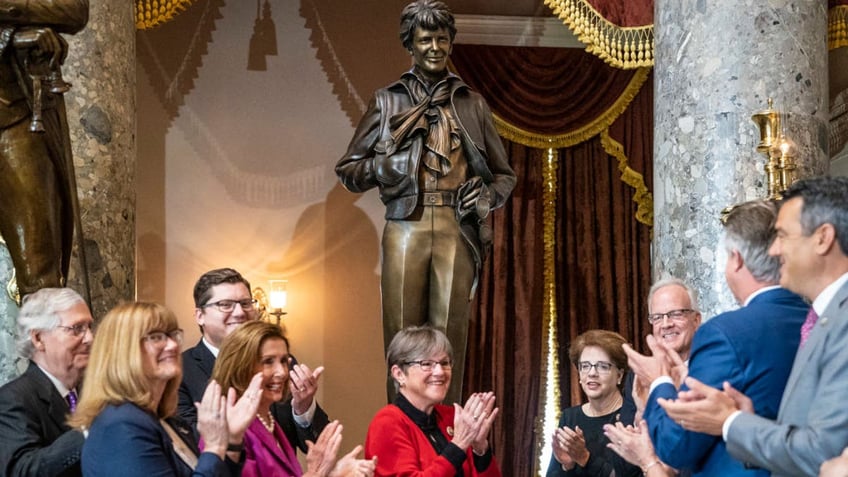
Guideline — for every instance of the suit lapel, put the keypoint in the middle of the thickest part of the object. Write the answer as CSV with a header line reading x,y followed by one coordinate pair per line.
x,y
57,407
834,311
204,358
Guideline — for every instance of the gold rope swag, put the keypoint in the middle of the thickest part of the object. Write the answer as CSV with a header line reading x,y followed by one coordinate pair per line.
x,y
150,13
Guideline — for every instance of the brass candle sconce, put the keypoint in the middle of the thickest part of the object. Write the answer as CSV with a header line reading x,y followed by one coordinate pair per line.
x,y
780,151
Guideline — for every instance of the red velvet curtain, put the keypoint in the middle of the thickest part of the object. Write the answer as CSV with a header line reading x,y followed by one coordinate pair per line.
x,y
505,333
602,255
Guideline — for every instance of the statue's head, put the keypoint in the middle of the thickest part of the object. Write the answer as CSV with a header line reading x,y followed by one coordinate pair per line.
x,y
427,31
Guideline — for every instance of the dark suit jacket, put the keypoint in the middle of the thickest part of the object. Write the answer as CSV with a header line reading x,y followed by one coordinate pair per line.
x,y
812,423
197,370
128,441
34,439
752,348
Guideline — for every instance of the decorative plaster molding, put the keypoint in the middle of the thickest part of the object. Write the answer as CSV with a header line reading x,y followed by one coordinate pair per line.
x,y
514,31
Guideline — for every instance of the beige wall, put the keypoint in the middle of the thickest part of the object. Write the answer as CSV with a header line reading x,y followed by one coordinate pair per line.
x,y
235,168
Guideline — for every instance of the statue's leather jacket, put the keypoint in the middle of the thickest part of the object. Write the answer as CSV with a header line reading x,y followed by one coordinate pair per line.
x,y
366,164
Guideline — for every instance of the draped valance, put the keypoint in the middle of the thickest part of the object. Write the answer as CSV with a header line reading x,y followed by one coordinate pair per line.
x,y
556,98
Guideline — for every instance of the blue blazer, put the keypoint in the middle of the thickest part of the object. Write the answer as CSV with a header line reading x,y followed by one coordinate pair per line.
x,y
753,348
128,441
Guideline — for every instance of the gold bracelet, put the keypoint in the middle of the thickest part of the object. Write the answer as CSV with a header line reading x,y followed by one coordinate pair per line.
x,y
648,467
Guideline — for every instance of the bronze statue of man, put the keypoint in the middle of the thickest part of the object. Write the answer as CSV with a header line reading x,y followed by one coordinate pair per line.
x,y
429,143
36,168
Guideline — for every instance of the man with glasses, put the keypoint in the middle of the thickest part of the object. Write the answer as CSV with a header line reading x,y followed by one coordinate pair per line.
x,y
751,347
811,426
674,317
222,302
54,333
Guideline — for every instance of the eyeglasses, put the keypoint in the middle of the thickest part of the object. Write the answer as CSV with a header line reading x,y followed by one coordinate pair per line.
x,y
77,330
674,315
227,306
427,365
602,367
158,338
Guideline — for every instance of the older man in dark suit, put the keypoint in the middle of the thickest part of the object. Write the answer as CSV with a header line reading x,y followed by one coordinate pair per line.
x,y
223,302
54,333
812,422
751,347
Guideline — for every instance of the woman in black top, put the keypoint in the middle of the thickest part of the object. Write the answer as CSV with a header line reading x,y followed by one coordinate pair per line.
x,y
579,445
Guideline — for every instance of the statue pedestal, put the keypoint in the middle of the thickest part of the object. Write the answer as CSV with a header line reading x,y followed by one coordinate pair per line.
x,y
9,360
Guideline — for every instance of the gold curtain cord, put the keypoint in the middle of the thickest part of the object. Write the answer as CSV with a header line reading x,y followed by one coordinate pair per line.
x,y
837,27
549,319
621,47
151,13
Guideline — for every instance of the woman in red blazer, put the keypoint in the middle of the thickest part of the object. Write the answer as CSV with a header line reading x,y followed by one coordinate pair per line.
x,y
418,436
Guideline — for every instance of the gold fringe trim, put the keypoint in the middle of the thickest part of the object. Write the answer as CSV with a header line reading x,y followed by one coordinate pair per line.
x,y
621,47
601,123
837,27
643,197
550,350
151,13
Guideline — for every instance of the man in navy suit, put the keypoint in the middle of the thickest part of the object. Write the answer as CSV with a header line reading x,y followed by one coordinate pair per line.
x,y
752,347
54,333
812,423
223,302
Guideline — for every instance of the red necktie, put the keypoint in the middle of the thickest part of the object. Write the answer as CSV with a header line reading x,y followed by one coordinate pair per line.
x,y
808,325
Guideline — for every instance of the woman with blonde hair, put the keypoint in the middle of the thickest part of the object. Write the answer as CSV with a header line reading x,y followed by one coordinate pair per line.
x,y
260,347
130,398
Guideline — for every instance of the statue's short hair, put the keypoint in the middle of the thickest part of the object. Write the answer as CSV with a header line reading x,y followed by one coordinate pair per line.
x,y
40,311
203,287
427,14
749,229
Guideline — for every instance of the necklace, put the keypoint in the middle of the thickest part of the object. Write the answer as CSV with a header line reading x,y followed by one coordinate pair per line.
x,y
590,411
269,424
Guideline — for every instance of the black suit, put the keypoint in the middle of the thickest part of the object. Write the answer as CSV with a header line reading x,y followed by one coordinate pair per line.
x,y
197,370
34,438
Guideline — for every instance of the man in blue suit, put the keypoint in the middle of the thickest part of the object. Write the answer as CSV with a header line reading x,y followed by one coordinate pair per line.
x,y
752,347
812,423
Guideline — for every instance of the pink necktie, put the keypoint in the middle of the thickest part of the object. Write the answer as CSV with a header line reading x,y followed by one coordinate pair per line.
x,y
72,401
807,327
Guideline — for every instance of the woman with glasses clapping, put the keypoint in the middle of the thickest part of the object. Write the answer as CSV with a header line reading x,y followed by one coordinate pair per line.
x,y
417,435
579,444
260,347
130,398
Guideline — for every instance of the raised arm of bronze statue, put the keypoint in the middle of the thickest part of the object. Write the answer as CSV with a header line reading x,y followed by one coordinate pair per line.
x,y
429,144
36,167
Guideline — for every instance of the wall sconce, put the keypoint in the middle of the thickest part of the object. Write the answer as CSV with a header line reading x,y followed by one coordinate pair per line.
x,y
277,298
780,151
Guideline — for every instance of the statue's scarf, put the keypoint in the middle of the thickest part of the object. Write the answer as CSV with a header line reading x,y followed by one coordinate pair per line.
x,y
426,116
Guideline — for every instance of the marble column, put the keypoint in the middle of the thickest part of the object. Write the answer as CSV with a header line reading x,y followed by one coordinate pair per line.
x,y
101,118
717,63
